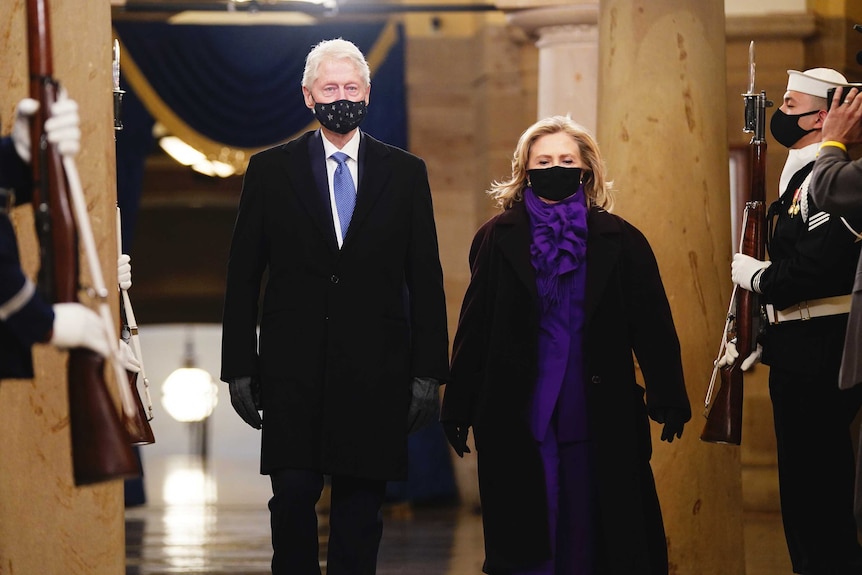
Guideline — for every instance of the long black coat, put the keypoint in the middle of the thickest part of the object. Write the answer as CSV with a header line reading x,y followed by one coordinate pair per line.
x,y
494,373
342,332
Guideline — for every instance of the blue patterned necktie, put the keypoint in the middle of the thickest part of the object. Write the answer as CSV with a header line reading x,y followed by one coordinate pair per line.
x,y
344,191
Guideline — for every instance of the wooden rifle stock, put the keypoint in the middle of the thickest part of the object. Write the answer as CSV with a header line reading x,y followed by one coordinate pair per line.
x,y
724,416
100,444
140,432
724,421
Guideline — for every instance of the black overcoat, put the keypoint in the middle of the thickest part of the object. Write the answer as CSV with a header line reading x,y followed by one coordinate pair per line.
x,y
493,376
342,332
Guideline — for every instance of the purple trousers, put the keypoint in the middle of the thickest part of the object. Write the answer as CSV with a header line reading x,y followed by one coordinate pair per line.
x,y
567,477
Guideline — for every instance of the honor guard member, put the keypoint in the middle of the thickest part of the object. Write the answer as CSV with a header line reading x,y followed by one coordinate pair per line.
x,y
805,290
25,317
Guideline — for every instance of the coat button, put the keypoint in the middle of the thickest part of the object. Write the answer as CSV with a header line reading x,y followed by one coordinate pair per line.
x,y
334,279
596,379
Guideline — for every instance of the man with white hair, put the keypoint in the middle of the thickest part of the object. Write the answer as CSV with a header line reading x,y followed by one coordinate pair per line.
x,y
353,344
806,289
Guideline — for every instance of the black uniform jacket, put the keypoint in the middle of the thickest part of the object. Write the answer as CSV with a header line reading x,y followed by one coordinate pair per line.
x,y
23,320
493,376
811,259
342,332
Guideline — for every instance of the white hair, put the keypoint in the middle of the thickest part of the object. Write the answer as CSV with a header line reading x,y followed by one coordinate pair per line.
x,y
336,49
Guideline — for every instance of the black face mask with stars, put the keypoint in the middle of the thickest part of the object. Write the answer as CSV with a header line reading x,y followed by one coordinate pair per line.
x,y
340,116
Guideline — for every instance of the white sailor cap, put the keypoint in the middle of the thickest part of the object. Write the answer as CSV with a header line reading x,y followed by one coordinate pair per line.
x,y
815,81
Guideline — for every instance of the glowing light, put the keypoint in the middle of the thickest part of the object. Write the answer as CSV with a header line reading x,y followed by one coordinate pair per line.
x,y
189,394
189,156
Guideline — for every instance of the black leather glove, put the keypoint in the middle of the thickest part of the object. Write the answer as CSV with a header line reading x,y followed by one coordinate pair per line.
x,y
674,420
424,403
456,434
244,397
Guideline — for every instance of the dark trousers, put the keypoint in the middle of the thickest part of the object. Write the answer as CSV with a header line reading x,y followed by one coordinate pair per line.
x,y
355,523
816,470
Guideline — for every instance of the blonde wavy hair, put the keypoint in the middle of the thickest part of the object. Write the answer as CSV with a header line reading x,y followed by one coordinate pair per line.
x,y
597,187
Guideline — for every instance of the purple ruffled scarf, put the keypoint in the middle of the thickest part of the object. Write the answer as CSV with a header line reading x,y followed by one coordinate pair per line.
x,y
559,243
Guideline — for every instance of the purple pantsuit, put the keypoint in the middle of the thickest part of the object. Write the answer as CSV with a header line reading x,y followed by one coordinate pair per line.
x,y
558,416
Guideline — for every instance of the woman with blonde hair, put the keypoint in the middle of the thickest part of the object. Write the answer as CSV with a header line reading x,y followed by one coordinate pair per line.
x,y
562,294
597,189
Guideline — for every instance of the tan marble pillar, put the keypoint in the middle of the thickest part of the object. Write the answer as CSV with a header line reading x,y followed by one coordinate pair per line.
x,y
568,42
47,525
662,128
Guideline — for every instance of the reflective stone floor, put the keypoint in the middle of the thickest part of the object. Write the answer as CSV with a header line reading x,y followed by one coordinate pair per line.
x,y
214,520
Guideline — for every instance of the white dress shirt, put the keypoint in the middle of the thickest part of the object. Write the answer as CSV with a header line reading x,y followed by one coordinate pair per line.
x,y
351,148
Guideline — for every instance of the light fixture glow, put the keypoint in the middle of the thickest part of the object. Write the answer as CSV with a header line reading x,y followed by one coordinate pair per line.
x,y
244,18
189,156
189,394
180,151
214,168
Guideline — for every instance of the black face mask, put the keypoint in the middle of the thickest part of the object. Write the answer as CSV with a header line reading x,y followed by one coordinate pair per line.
x,y
556,183
341,116
785,128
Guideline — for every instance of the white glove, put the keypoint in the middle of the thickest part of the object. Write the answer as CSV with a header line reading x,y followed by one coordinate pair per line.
x,y
731,353
124,271
62,127
128,359
752,359
745,271
21,127
76,325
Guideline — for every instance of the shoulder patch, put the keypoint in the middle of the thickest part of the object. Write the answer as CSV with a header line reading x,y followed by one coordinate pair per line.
x,y
817,220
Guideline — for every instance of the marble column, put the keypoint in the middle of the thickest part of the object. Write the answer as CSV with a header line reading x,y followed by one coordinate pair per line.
x,y
568,41
662,129
47,524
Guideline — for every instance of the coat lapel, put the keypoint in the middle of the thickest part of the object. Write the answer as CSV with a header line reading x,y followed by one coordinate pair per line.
x,y
375,170
514,239
306,171
603,252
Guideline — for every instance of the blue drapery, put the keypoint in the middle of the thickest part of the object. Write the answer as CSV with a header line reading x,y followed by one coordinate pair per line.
x,y
240,85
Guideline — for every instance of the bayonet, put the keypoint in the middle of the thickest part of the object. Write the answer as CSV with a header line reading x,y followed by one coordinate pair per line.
x,y
751,67
755,104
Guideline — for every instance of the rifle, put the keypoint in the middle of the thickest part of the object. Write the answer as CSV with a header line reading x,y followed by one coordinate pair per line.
x,y
139,429
142,434
724,415
100,444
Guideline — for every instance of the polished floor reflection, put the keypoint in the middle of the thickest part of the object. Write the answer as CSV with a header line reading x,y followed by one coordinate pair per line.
x,y
214,519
